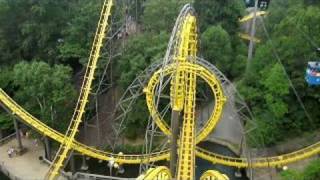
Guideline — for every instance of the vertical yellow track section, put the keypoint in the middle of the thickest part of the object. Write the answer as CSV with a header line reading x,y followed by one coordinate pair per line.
x,y
65,147
188,51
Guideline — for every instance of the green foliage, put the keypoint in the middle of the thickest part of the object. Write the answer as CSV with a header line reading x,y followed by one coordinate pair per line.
x,y
5,121
216,47
79,32
137,120
45,91
223,12
311,172
290,175
160,15
265,86
31,29
276,88
220,42
5,78
139,54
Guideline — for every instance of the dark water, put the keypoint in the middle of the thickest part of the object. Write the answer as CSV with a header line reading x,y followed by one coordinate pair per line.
x,y
96,167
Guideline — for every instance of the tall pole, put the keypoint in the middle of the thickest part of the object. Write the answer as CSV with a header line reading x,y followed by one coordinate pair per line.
x,y
72,164
252,35
18,135
174,143
47,148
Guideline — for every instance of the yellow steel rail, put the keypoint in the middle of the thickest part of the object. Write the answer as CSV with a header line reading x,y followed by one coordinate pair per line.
x,y
251,15
184,92
159,173
185,48
187,139
276,161
262,162
213,175
204,74
247,37
12,107
64,150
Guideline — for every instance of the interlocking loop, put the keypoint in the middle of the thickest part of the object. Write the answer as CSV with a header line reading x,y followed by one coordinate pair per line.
x,y
203,73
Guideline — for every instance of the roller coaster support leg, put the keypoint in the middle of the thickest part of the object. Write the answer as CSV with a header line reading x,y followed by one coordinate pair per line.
x,y
47,148
1,134
84,165
18,135
174,139
72,164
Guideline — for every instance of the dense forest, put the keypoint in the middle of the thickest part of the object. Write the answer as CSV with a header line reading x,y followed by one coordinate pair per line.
x,y
44,46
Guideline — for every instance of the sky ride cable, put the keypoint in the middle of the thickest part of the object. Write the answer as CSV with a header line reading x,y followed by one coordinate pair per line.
x,y
275,53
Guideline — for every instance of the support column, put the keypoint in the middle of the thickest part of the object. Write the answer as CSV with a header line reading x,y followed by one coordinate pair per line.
x,y
18,135
84,165
72,164
252,35
47,148
1,135
174,144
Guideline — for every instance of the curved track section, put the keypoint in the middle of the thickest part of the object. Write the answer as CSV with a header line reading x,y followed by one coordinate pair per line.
x,y
64,150
213,175
276,161
205,74
12,107
159,173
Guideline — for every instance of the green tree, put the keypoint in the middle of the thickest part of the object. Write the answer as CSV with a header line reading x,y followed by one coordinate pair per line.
x,y
160,15
223,12
32,29
139,54
265,87
216,47
45,91
77,37
311,172
276,87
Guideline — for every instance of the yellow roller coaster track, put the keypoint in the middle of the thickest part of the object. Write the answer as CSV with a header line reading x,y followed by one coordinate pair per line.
x,y
251,15
187,52
64,150
12,107
213,175
247,37
215,87
159,173
187,139
277,161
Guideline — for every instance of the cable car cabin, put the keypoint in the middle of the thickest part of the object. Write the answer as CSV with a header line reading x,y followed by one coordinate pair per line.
x,y
313,73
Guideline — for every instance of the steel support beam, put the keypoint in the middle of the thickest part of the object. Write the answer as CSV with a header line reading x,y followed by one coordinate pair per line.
x,y
175,123
18,135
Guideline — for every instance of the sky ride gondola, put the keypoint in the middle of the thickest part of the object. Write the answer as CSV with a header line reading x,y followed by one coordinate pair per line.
x,y
313,72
